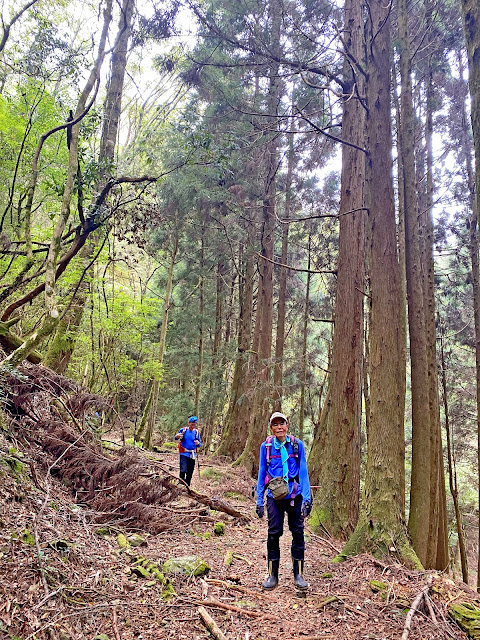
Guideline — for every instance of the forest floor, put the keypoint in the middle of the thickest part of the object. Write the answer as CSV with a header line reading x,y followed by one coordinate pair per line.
x,y
65,577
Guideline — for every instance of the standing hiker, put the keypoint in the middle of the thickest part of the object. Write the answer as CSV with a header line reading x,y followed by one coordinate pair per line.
x,y
188,442
283,472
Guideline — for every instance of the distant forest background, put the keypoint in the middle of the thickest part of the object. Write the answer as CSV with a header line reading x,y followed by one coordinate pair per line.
x,y
225,208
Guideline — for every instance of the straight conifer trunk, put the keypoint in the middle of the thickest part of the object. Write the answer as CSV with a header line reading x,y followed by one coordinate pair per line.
x,y
236,426
419,519
381,523
263,387
334,460
439,556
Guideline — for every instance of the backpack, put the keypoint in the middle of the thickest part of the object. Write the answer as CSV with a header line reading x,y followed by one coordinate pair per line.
x,y
181,448
268,447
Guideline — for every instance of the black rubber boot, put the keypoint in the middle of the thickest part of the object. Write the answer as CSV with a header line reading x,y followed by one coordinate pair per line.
x,y
272,580
300,582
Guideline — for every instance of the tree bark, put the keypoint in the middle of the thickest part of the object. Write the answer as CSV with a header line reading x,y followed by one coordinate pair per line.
x,y
263,389
381,524
334,460
419,522
236,421
303,375
282,284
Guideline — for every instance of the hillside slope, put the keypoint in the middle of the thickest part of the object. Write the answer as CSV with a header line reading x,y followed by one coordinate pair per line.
x,y
71,513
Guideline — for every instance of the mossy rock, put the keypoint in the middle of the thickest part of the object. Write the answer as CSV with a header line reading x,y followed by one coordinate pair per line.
x,y
467,616
122,541
219,528
190,565
13,466
103,531
134,540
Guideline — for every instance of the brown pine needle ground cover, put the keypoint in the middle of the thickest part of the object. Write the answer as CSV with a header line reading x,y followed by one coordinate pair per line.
x,y
64,575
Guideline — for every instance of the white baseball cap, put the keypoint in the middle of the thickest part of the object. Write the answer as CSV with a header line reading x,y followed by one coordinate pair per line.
x,y
277,414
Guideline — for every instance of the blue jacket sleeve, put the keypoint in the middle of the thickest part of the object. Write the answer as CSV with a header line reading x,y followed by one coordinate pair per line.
x,y
262,470
180,431
303,473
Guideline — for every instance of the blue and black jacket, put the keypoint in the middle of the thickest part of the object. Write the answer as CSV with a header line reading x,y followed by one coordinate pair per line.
x,y
298,482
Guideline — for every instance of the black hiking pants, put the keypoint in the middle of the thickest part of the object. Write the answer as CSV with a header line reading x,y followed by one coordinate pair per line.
x,y
187,465
276,510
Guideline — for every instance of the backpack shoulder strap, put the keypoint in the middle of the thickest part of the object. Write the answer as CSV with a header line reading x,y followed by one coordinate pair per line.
x,y
294,443
268,448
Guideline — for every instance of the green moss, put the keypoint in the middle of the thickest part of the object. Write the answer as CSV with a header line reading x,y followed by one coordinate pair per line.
x,y
28,538
228,558
318,519
170,445
379,587
168,592
327,575
122,541
235,495
376,540
211,474
219,528
190,565
103,531
467,616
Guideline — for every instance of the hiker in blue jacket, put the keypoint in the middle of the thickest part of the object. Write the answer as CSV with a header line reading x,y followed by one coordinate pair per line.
x,y
188,442
283,472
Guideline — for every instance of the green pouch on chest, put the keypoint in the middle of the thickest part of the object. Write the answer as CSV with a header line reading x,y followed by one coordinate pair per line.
x,y
279,488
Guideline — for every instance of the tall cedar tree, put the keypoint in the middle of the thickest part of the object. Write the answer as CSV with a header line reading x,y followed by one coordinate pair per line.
x,y
334,460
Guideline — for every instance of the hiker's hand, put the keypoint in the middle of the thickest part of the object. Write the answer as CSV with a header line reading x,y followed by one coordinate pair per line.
x,y
260,509
197,442
306,508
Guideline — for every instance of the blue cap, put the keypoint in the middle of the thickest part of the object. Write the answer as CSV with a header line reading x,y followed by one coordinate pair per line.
x,y
193,419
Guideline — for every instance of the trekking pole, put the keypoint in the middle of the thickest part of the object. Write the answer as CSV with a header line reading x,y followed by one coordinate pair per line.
x,y
198,462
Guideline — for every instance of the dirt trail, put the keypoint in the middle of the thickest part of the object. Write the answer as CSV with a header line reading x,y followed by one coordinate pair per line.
x,y
60,579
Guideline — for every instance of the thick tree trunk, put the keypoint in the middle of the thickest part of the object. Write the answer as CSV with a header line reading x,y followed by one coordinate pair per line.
x,y
438,556
334,461
474,258
418,524
381,524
